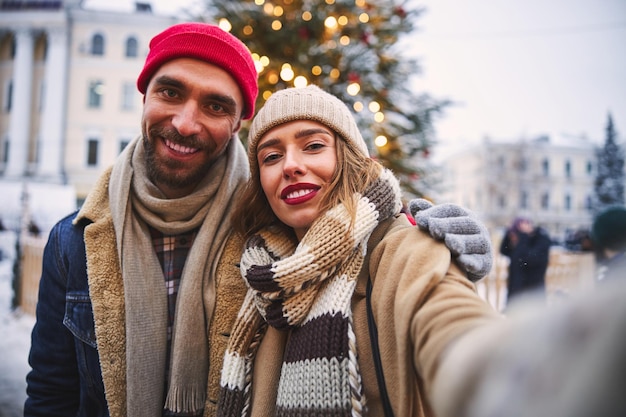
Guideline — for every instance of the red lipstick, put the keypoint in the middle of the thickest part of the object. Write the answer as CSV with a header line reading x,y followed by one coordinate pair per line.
x,y
299,193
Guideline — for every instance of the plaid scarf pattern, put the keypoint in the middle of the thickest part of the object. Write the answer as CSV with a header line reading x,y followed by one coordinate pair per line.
x,y
306,288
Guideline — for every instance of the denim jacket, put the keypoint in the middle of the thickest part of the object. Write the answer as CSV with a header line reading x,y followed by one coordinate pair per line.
x,y
78,351
66,378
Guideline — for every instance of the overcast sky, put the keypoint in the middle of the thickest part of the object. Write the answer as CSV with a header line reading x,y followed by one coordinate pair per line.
x,y
514,68
525,68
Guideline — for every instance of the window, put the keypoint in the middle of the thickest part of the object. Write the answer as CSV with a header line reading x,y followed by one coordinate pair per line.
x,y
42,96
5,156
545,201
128,96
131,47
123,144
92,152
523,200
96,89
501,201
589,167
568,169
143,7
523,165
8,99
45,50
97,45
568,202
545,166
38,150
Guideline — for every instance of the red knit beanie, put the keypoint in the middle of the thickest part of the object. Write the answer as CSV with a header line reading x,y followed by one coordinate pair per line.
x,y
208,43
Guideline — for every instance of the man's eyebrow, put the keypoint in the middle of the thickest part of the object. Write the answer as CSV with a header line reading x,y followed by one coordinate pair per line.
x,y
166,80
227,101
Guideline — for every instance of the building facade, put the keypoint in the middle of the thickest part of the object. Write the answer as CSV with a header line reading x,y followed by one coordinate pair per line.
x,y
68,98
549,180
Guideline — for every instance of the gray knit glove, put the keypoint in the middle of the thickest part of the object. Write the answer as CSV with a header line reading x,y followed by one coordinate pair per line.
x,y
464,234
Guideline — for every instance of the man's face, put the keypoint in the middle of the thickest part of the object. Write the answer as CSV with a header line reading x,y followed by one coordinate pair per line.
x,y
191,111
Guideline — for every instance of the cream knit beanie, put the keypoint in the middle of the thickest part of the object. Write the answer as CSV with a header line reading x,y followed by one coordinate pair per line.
x,y
309,103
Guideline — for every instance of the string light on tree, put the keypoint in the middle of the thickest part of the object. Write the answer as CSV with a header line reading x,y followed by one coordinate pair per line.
x,y
353,89
286,72
224,24
331,23
374,106
300,81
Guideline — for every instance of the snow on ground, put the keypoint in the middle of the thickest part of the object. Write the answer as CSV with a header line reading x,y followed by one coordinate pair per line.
x,y
15,328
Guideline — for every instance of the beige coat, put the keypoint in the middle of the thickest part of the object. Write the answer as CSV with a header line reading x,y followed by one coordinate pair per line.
x,y
106,290
421,303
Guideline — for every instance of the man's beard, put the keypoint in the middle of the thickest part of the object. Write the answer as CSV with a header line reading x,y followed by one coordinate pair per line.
x,y
172,173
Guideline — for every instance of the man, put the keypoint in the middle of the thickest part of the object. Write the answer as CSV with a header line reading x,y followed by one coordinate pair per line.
x,y
140,288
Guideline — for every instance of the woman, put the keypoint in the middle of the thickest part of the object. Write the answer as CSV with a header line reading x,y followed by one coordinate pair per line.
x,y
323,223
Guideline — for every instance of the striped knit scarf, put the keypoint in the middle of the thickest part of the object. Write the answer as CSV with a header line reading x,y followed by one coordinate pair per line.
x,y
307,289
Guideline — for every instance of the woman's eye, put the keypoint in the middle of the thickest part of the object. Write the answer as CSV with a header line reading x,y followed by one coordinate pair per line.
x,y
315,146
270,158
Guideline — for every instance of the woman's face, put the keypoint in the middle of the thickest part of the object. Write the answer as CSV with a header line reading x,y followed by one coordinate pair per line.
x,y
297,161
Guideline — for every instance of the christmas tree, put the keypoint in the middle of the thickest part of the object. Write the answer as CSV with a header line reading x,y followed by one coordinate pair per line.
x,y
609,181
350,49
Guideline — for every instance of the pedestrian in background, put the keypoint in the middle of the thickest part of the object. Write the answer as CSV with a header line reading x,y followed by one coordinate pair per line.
x,y
528,250
608,234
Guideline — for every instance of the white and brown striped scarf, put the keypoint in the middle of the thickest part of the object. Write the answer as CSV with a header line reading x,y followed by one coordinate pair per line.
x,y
307,289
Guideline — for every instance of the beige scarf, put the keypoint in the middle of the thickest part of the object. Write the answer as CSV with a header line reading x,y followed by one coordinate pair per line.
x,y
136,203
